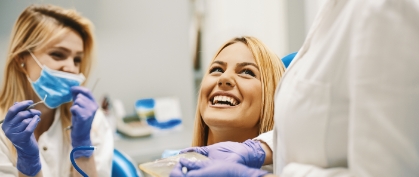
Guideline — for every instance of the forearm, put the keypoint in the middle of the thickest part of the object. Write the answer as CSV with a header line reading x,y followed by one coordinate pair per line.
x,y
268,153
87,164
270,175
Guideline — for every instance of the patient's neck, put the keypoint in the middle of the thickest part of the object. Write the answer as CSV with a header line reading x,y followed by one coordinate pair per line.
x,y
216,135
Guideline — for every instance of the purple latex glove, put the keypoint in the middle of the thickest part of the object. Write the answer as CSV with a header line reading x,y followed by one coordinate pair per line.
x,y
18,126
212,168
249,153
83,111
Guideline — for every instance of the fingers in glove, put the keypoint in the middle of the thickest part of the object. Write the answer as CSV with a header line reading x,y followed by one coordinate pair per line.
x,y
82,101
32,124
75,90
22,115
192,165
26,126
19,128
177,171
75,110
200,150
190,149
16,108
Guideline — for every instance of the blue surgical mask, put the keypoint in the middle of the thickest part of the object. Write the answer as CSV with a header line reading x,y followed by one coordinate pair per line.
x,y
55,85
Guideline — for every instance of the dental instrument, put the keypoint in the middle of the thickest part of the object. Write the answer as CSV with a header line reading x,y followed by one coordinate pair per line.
x,y
31,106
73,160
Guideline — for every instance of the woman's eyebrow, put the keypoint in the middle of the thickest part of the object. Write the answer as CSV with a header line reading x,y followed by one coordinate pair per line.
x,y
61,48
246,64
219,62
67,50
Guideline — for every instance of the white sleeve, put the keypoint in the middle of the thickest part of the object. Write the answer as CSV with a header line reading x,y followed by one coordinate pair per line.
x,y
383,94
266,137
7,169
102,139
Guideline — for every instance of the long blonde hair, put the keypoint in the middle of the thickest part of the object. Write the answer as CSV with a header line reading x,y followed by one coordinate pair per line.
x,y
271,70
36,27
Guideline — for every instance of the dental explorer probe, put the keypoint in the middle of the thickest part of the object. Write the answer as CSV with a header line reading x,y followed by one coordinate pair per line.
x,y
31,106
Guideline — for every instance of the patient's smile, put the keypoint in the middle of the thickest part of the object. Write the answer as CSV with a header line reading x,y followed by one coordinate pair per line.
x,y
224,100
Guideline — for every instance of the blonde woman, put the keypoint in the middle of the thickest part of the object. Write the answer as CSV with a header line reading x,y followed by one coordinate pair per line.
x,y
50,54
235,101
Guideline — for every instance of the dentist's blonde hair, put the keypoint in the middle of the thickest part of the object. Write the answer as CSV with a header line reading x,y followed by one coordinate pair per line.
x,y
36,27
271,69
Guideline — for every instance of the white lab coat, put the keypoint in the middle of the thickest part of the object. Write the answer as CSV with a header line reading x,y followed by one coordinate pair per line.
x,y
55,153
348,105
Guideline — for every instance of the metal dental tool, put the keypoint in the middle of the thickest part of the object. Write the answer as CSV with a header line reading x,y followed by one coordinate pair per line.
x,y
31,106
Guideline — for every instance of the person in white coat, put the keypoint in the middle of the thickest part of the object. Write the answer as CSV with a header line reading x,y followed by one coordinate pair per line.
x,y
348,103
51,53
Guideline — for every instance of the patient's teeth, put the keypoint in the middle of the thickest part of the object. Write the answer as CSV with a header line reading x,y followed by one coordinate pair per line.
x,y
225,99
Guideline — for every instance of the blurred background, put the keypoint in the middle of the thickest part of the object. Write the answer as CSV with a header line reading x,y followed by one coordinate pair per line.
x,y
161,48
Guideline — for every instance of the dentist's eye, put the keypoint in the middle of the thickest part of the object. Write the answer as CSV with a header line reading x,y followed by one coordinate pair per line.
x,y
77,60
216,69
248,72
57,55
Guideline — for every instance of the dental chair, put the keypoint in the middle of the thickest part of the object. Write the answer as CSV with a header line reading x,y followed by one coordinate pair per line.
x,y
288,58
122,166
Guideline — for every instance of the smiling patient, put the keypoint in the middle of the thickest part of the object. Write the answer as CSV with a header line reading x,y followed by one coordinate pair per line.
x,y
235,101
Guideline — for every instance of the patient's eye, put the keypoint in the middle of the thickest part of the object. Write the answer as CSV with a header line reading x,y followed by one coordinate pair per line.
x,y
248,72
216,69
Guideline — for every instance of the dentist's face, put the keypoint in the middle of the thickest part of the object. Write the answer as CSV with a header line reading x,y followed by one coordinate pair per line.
x,y
64,54
231,91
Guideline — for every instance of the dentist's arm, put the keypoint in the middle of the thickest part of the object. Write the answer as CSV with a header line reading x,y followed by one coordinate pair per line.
x,y
268,153
266,142
214,168
83,111
249,153
18,126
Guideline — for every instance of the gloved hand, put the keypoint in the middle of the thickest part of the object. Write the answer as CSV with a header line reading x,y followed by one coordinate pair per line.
x,y
249,153
212,168
83,111
19,125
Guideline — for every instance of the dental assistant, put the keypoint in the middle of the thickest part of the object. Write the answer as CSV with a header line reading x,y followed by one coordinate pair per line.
x,y
348,103
50,55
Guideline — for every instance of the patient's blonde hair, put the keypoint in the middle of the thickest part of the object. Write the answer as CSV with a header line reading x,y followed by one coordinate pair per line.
x,y
36,27
271,70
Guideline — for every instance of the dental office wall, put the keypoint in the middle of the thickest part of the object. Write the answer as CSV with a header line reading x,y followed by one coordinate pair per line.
x,y
279,24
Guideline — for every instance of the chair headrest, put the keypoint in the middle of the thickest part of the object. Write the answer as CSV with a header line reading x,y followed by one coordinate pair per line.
x,y
288,58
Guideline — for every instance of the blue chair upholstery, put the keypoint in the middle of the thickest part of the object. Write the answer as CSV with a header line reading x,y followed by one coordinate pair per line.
x,y
287,59
122,166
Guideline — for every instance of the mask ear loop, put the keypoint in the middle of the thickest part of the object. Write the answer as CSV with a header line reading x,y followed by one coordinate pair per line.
x,y
34,58
37,62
